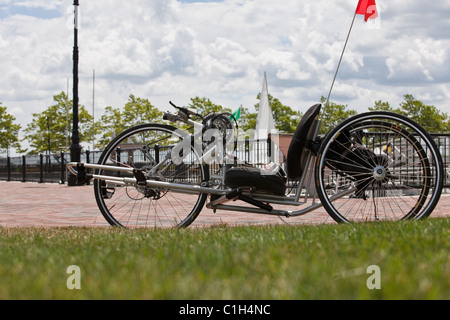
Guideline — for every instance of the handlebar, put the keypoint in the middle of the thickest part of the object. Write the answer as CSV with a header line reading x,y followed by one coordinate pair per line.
x,y
183,114
171,117
186,110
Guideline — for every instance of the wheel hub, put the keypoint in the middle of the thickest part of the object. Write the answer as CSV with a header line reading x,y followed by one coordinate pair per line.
x,y
379,173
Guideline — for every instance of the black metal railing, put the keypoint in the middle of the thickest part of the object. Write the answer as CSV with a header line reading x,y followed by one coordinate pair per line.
x,y
443,144
40,168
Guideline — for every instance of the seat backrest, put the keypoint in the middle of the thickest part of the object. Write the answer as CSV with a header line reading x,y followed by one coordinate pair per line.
x,y
296,157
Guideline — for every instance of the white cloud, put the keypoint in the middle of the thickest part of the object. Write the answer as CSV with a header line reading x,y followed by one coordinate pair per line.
x,y
165,50
44,4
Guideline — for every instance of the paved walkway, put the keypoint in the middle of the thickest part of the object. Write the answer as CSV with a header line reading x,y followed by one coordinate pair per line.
x,y
53,205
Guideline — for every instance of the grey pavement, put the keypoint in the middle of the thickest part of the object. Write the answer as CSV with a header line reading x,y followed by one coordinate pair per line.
x,y
54,205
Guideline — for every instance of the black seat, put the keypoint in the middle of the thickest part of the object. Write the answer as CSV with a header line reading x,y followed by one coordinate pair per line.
x,y
296,158
275,183
258,179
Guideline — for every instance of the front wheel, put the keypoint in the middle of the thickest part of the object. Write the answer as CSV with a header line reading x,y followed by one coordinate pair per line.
x,y
148,148
378,166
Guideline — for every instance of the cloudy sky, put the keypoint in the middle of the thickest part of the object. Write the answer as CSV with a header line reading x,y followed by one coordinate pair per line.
x,y
178,49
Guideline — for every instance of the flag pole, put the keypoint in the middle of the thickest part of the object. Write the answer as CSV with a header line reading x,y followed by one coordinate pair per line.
x,y
340,60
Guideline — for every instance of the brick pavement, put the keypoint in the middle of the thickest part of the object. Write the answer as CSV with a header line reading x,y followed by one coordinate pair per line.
x,y
53,205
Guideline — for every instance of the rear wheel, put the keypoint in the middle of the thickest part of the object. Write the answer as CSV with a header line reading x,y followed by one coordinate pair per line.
x,y
149,148
378,166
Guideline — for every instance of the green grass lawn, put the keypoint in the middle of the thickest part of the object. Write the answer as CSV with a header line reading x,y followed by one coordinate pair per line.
x,y
248,262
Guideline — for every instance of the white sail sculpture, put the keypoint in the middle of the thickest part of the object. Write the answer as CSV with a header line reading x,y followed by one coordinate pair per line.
x,y
264,122
265,126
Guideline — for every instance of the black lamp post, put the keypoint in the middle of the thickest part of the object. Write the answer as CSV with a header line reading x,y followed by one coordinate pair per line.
x,y
75,148
48,144
48,136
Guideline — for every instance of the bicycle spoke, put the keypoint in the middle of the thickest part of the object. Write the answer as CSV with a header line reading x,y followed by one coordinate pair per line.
x,y
148,148
385,160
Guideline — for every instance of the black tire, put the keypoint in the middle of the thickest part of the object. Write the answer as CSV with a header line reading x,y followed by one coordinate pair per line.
x,y
143,147
378,166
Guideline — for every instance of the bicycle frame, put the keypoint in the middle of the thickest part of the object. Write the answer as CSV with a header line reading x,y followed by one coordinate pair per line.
x,y
222,196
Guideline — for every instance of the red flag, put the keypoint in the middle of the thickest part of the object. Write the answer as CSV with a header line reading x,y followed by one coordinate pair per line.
x,y
368,8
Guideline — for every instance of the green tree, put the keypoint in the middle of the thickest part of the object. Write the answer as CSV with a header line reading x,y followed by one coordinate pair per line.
x,y
382,106
286,119
9,131
111,124
116,120
248,119
204,106
332,114
429,117
55,124
139,111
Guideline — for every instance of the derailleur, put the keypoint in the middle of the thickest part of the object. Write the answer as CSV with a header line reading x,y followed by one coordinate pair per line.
x,y
148,193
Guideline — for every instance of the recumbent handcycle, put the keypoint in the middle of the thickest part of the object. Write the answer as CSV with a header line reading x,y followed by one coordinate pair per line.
x,y
374,166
